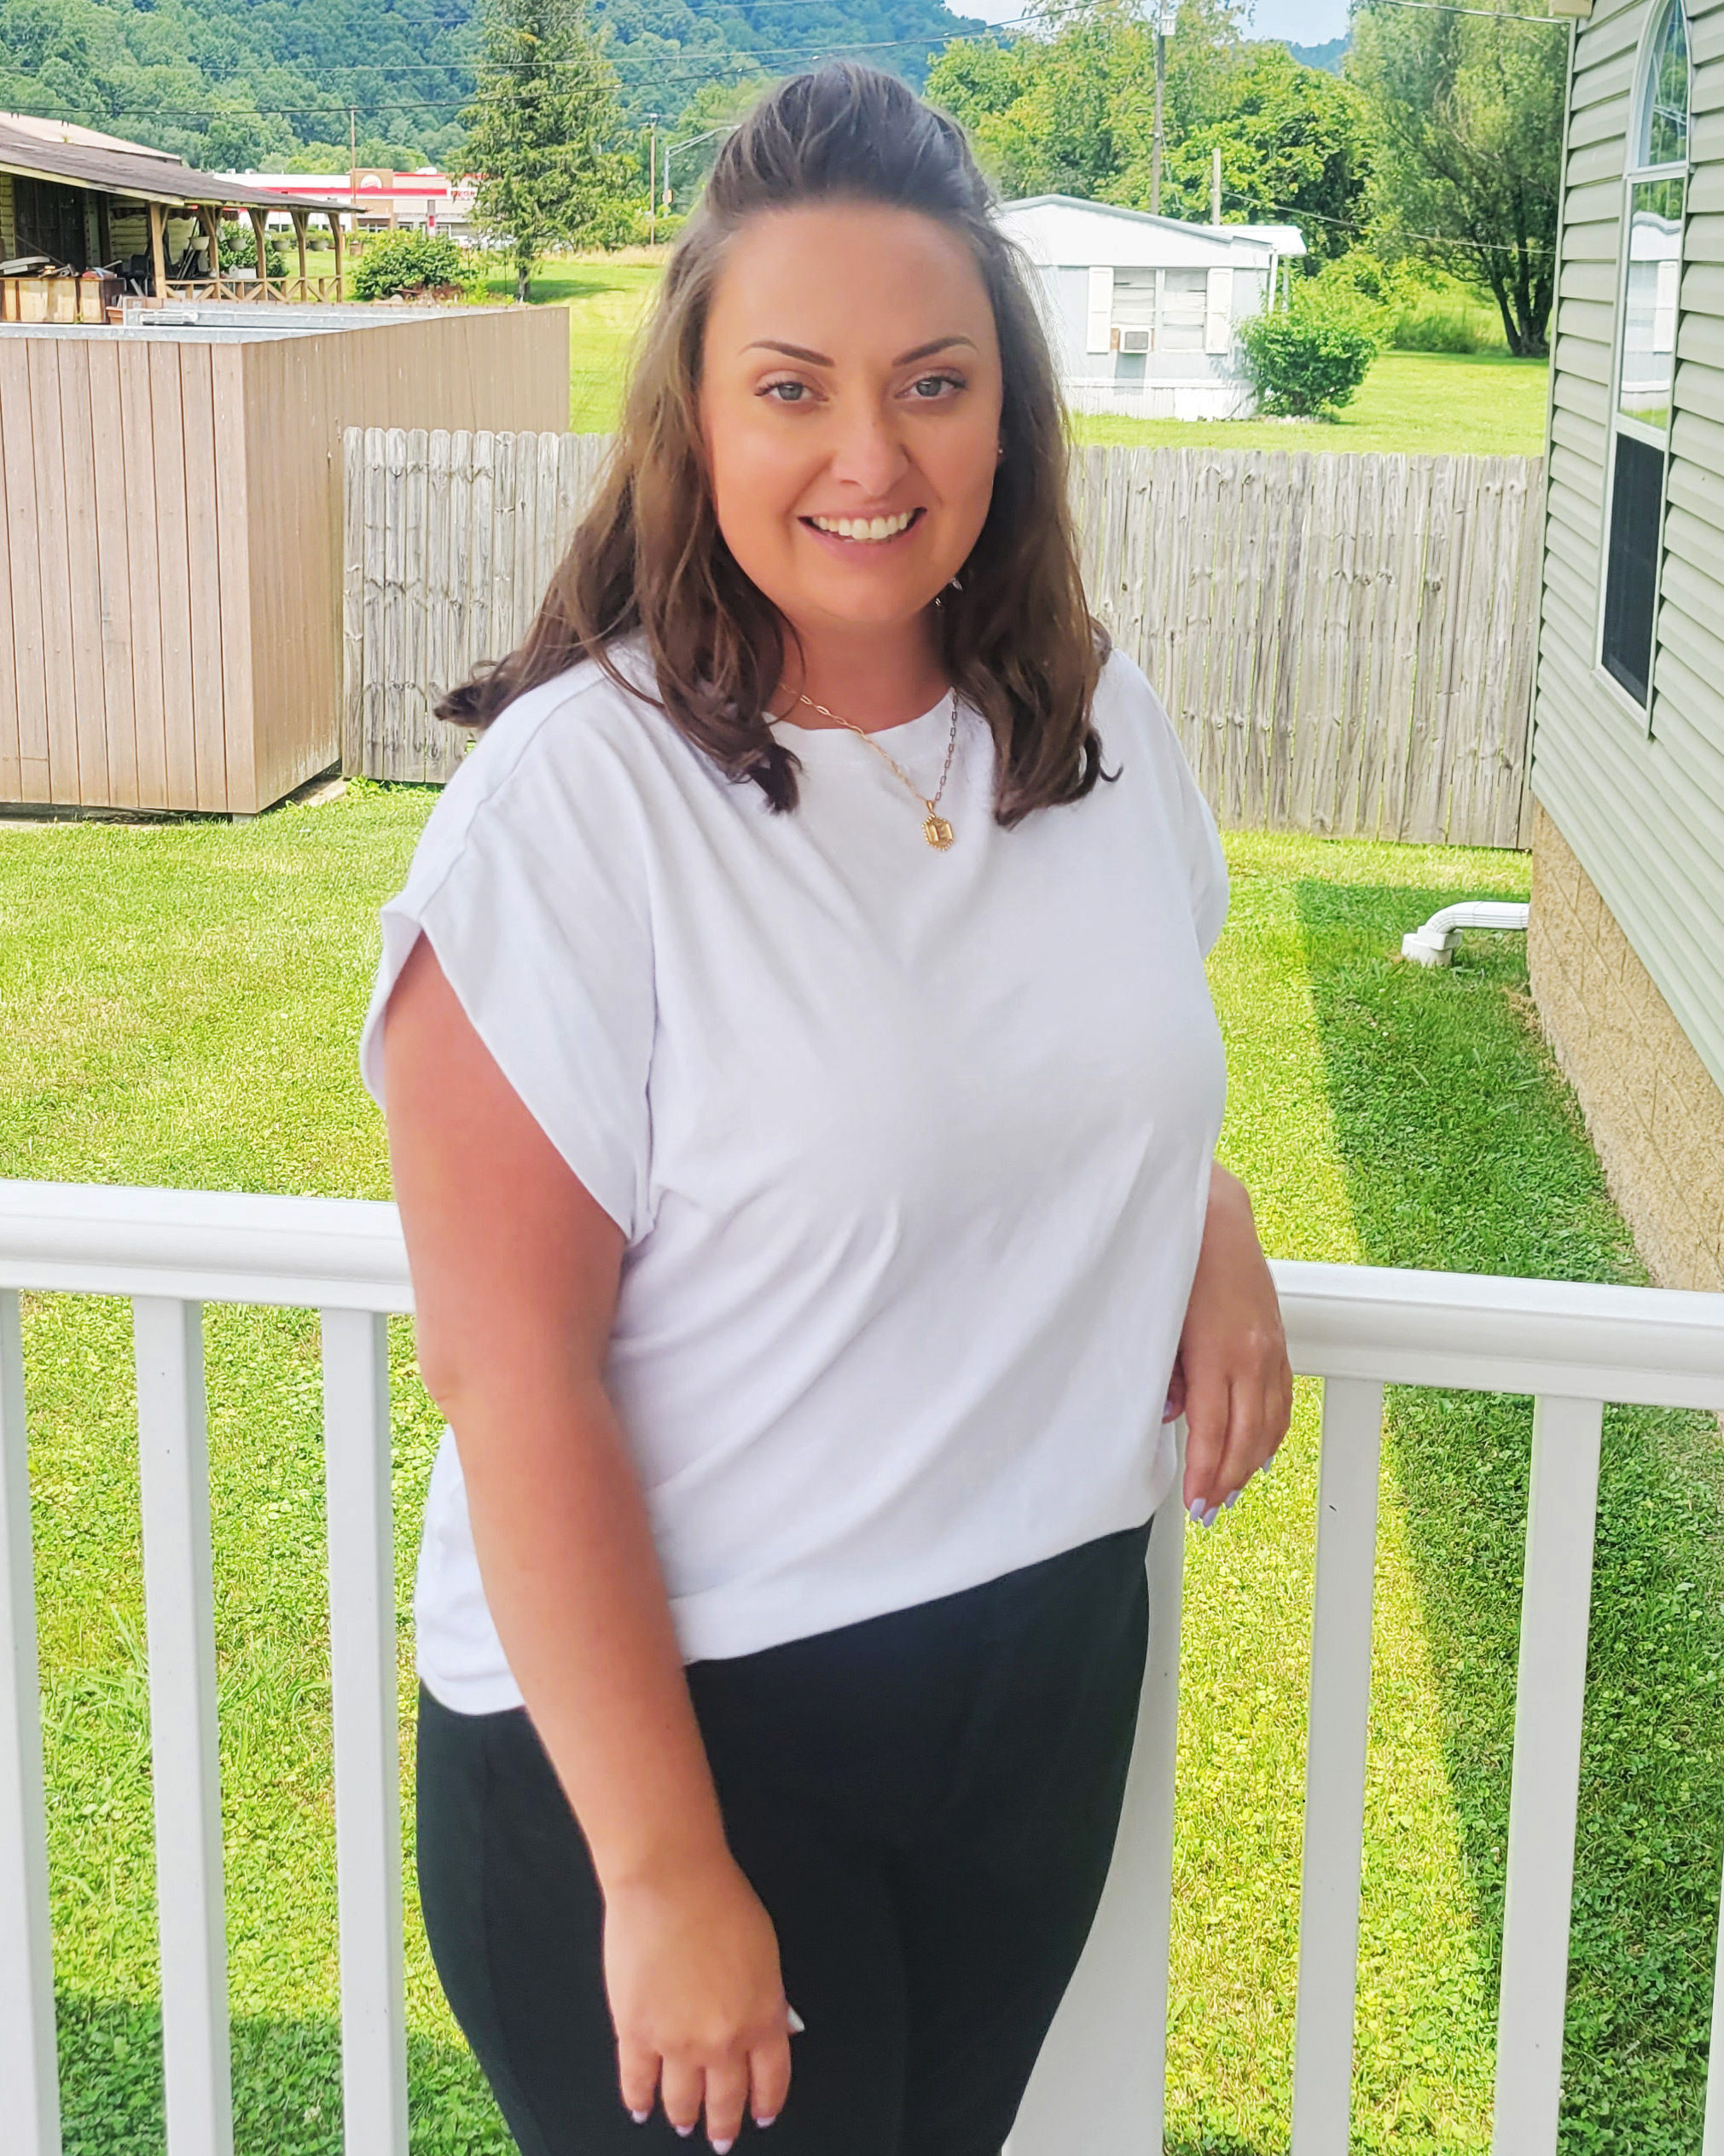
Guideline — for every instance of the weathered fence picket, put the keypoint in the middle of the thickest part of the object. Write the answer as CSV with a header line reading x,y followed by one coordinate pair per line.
x,y
1344,642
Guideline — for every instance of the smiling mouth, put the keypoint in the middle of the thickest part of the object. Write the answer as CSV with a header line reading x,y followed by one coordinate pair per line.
x,y
866,530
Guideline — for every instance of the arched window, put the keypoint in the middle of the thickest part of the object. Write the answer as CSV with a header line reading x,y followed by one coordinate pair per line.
x,y
1655,199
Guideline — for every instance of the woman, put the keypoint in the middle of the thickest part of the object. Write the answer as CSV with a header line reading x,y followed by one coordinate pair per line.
x,y
802,1099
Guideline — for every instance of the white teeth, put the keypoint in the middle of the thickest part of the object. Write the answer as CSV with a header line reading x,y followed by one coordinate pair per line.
x,y
864,527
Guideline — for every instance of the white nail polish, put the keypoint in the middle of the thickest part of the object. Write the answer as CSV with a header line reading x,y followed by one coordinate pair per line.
x,y
639,2118
797,2025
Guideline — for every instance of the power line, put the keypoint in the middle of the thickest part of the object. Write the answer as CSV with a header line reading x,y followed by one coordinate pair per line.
x,y
1349,224
1451,8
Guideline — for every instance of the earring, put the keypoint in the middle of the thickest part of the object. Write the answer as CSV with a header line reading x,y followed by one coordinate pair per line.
x,y
999,451
954,585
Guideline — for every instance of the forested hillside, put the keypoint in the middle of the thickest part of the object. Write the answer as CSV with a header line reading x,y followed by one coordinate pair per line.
x,y
247,82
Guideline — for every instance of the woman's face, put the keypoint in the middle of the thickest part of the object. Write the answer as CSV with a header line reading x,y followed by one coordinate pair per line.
x,y
851,404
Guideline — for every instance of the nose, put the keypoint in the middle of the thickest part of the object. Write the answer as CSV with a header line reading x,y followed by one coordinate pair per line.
x,y
867,453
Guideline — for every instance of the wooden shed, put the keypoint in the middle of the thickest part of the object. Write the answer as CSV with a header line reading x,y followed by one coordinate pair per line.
x,y
169,533
1627,761
87,218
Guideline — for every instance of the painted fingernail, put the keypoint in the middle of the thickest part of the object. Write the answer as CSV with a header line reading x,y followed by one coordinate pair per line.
x,y
639,2118
767,2120
797,2025
1169,1413
1231,1499
1195,1508
723,2148
685,2132
1213,1514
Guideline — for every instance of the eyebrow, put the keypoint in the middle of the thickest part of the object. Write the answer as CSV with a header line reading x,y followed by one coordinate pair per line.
x,y
820,359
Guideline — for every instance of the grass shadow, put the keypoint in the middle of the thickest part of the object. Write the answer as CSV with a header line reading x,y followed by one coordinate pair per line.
x,y
1464,1150
286,2079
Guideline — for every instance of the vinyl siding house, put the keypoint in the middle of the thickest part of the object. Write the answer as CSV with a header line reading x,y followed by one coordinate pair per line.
x,y
1145,310
1626,936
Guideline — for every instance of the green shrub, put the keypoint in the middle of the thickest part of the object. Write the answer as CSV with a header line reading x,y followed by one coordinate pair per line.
x,y
396,263
1308,361
237,245
1450,320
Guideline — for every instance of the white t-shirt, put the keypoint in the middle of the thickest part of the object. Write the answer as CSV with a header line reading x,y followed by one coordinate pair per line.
x,y
911,1148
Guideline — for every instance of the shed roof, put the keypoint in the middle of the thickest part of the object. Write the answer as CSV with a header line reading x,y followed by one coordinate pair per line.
x,y
1063,229
143,175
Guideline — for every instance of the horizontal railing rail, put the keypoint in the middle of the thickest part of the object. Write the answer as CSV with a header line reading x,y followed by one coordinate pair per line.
x,y
1099,2087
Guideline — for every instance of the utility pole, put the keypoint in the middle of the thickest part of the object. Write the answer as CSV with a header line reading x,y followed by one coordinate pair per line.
x,y
652,178
1215,185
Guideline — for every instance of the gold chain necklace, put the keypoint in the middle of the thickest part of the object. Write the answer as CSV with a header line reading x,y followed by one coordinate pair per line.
x,y
935,829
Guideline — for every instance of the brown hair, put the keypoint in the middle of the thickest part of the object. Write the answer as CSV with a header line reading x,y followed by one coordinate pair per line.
x,y
1017,640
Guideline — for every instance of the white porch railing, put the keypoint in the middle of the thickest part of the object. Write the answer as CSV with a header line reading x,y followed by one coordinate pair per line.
x,y
1098,2091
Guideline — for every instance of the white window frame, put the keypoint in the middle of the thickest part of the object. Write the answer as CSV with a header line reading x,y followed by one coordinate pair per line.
x,y
1617,422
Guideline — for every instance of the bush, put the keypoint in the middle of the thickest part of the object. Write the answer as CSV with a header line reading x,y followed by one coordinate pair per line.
x,y
396,263
1434,327
1307,362
237,245
1411,305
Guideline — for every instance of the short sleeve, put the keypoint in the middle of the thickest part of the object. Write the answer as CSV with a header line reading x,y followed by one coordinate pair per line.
x,y
528,881
1192,821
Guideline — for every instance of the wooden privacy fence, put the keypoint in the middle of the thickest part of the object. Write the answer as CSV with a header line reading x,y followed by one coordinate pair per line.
x,y
1345,642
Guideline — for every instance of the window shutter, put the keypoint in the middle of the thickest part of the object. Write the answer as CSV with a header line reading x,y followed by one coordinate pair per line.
x,y
1099,338
1218,315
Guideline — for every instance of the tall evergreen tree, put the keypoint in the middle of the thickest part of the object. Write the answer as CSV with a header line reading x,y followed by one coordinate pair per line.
x,y
542,130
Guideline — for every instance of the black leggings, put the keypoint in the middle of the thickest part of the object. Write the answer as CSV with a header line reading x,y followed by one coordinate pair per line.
x,y
926,1802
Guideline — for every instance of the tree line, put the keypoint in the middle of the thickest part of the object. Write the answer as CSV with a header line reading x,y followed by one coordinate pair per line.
x,y
1434,149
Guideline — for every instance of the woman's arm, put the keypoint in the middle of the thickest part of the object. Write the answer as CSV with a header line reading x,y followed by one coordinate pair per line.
x,y
515,1268
1232,1381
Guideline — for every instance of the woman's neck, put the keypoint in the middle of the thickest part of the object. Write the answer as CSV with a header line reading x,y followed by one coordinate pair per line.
x,y
873,676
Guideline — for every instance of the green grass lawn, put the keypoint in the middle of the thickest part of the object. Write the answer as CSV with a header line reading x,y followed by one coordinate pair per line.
x,y
181,1004
1423,403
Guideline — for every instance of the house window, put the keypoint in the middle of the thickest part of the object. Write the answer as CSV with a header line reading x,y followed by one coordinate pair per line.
x,y
1655,200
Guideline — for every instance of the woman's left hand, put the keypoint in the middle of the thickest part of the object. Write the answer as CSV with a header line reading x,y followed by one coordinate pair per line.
x,y
1231,1381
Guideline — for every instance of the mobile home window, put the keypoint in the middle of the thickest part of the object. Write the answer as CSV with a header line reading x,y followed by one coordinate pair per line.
x,y
1654,201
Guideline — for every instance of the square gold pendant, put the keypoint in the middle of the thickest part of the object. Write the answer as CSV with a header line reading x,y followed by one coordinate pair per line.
x,y
937,832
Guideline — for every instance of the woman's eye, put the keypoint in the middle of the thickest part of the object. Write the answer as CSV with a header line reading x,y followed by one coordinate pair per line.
x,y
785,393
928,387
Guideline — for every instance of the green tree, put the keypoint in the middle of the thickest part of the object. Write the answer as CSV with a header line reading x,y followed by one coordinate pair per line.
x,y
1464,113
1071,111
1292,149
543,131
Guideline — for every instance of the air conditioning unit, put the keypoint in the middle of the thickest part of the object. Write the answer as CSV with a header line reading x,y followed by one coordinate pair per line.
x,y
1134,340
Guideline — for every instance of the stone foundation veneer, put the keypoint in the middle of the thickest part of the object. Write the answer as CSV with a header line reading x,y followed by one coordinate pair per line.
x,y
1654,1111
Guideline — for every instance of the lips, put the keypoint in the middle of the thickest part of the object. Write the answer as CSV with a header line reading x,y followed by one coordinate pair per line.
x,y
865,530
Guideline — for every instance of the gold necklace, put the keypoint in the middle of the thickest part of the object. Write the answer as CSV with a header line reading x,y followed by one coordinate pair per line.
x,y
935,829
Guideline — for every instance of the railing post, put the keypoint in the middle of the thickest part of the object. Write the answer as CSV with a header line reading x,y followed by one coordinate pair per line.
x,y
1335,1766
179,1610
1712,2133
29,2066
1550,1696
362,1649
1100,2083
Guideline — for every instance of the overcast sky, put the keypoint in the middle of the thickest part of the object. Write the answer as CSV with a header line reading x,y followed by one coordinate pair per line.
x,y
1305,22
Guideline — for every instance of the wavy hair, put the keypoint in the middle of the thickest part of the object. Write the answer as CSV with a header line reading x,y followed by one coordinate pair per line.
x,y
648,558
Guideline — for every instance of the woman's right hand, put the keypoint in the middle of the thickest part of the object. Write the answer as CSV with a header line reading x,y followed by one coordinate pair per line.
x,y
691,1967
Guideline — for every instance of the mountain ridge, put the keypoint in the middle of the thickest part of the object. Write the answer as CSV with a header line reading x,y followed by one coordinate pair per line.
x,y
245,84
